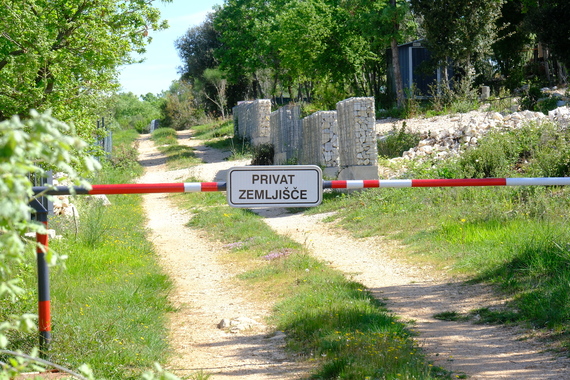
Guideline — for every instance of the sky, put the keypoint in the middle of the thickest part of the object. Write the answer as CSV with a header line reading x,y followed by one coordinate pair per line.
x,y
161,62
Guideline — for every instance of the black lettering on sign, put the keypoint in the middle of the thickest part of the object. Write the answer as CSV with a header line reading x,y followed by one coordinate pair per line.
x,y
272,179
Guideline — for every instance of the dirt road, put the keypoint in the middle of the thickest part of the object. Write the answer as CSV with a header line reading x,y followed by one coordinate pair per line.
x,y
205,293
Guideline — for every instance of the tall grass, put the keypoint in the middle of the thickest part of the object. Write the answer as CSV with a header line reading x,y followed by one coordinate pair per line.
x,y
109,301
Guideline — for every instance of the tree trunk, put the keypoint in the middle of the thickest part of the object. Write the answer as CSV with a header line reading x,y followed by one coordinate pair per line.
x,y
397,74
396,59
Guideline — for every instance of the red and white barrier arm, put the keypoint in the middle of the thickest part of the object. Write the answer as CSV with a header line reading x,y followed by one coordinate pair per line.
x,y
134,188
364,184
196,187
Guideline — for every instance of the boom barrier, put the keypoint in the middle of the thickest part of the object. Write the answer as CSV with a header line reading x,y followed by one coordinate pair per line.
x,y
194,187
252,186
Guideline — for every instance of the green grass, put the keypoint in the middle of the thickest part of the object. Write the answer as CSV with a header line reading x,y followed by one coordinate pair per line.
x,y
164,136
110,300
109,303
179,156
328,319
220,135
214,130
516,238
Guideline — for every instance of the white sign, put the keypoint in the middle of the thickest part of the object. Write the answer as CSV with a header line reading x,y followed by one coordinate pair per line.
x,y
275,186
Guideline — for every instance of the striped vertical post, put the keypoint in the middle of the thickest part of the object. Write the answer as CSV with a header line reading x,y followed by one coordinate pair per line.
x,y
44,300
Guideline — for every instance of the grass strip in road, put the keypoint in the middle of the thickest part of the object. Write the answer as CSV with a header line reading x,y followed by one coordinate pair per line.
x,y
328,319
178,156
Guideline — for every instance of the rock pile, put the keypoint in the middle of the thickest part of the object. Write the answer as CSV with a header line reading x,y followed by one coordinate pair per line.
x,y
447,136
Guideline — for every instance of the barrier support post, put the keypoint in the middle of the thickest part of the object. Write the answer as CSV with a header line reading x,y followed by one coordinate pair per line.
x,y
44,302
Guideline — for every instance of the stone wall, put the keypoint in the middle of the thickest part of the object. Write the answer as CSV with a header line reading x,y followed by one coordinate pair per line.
x,y
357,139
339,141
320,143
251,120
285,126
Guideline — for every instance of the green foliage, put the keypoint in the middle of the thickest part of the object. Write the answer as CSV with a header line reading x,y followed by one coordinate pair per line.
x,y
549,20
510,50
530,97
263,154
308,49
181,109
397,142
216,78
130,112
96,316
539,150
64,55
547,104
213,131
462,31
29,148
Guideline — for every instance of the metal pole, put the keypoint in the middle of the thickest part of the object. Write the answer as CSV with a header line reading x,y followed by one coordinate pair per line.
x,y
44,301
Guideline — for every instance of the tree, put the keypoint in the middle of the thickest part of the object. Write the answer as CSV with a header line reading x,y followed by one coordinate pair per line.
x,y
65,54
196,49
514,40
130,111
246,51
180,108
550,20
461,30
217,79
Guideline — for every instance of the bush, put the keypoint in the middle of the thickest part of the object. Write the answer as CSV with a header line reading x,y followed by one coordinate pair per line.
x,y
397,142
263,154
539,150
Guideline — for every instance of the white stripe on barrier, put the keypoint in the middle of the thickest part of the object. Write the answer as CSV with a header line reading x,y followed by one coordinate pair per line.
x,y
538,181
193,187
354,184
396,183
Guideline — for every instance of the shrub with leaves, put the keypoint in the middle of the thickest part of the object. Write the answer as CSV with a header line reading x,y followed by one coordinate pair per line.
x,y
28,148
397,142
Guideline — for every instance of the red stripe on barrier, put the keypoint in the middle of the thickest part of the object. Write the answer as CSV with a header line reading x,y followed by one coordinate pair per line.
x,y
209,186
459,182
138,188
44,315
371,183
338,184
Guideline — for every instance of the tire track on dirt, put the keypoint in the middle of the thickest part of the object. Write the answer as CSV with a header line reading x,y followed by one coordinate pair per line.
x,y
204,291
